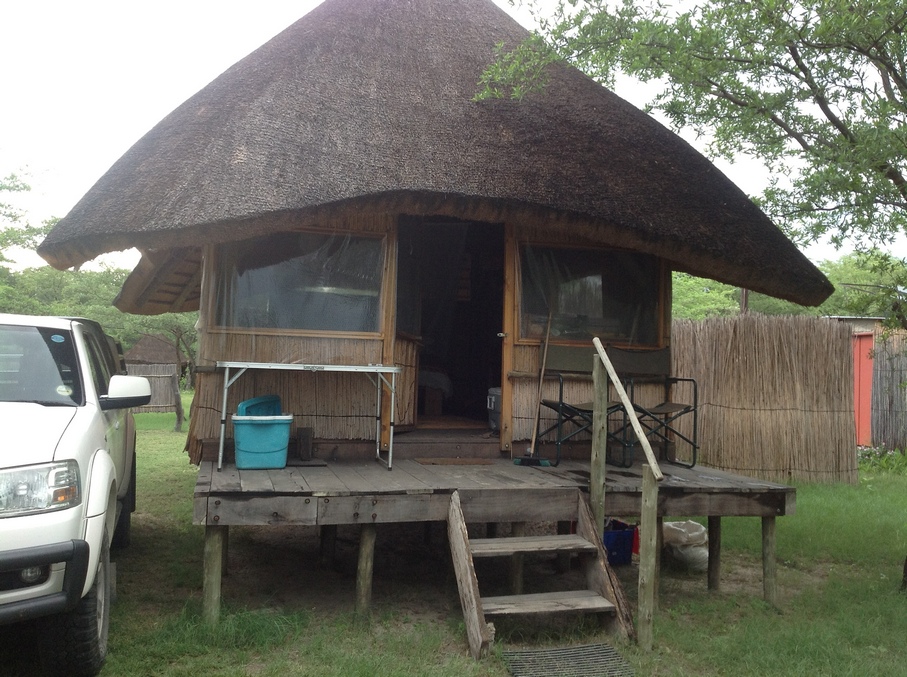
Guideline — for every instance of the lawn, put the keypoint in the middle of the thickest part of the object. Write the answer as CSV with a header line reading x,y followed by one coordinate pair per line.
x,y
839,573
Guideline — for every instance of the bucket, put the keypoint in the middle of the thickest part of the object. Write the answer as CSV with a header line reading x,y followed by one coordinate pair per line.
x,y
261,441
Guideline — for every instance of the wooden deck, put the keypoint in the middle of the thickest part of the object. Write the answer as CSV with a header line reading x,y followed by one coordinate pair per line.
x,y
489,490
418,490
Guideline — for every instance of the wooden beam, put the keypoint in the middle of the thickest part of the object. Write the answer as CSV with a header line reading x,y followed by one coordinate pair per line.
x,y
599,444
328,539
212,571
389,330
648,556
769,564
509,329
479,633
600,577
365,569
715,553
517,529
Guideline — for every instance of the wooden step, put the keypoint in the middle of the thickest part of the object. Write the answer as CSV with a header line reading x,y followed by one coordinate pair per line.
x,y
512,545
546,602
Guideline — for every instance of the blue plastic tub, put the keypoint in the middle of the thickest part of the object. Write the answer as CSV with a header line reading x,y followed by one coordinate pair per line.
x,y
261,434
619,544
266,405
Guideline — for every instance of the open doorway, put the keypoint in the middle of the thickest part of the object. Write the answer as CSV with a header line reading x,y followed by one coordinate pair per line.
x,y
450,296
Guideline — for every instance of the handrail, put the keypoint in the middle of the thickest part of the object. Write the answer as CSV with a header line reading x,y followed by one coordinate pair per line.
x,y
631,412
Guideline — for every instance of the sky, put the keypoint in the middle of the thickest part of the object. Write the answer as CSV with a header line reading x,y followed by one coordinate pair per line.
x,y
82,80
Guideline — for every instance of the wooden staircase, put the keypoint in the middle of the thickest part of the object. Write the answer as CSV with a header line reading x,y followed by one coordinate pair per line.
x,y
602,593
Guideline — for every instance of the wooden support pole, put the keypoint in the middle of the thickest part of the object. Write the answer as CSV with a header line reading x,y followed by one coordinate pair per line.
x,y
225,551
648,556
659,549
328,545
517,561
769,564
715,553
212,572
599,444
365,569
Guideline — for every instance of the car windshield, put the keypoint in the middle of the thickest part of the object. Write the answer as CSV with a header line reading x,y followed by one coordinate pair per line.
x,y
38,364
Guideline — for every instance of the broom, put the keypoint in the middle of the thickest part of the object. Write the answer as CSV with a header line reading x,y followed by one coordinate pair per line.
x,y
530,458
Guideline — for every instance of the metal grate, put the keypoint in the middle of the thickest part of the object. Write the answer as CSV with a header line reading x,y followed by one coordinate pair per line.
x,y
589,660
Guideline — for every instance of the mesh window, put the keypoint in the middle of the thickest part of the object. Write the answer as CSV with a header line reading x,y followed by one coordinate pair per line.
x,y
605,293
301,281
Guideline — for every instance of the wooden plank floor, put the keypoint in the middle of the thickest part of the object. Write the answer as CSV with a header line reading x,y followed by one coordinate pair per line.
x,y
354,492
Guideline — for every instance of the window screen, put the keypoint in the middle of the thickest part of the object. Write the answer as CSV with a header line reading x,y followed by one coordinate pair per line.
x,y
301,281
606,293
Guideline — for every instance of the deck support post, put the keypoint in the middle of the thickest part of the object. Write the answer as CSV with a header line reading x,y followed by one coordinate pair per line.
x,y
365,569
714,553
328,545
769,564
215,535
517,561
648,558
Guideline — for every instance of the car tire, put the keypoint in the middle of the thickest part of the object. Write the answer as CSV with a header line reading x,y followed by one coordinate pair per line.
x,y
75,642
122,533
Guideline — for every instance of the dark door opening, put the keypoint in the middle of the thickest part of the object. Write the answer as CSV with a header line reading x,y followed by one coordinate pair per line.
x,y
450,295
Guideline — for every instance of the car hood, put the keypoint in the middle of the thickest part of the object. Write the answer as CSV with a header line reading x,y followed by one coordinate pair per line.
x,y
31,432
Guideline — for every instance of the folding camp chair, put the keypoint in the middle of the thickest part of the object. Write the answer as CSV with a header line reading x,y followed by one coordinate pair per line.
x,y
571,418
661,422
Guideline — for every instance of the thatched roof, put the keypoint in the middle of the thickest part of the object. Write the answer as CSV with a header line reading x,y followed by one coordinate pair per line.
x,y
153,349
368,104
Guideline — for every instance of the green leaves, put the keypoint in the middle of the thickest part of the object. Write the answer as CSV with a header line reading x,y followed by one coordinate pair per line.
x,y
817,90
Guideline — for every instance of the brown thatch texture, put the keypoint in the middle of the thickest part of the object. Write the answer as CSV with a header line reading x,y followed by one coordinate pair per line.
x,y
889,391
367,106
775,395
151,349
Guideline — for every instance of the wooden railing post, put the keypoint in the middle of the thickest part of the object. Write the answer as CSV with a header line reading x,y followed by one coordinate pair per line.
x,y
599,445
648,557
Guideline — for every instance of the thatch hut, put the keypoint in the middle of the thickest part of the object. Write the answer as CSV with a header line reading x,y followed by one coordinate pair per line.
x,y
163,364
340,197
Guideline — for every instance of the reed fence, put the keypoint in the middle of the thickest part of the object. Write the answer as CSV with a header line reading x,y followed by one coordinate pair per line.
x,y
775,395
889,390
164,382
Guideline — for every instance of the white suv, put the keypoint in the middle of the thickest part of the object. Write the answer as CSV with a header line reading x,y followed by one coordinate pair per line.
x,y
67,481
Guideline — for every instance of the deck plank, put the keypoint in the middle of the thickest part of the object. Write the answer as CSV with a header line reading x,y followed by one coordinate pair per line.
x,y
389,481
425,474
285,482
512,545
256,481
546,602
225,480
323,481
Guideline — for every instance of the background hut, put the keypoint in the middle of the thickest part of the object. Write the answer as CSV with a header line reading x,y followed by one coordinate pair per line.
x,y
164,365
339,197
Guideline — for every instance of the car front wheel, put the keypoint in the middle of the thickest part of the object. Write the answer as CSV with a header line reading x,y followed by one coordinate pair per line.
x,y
75,642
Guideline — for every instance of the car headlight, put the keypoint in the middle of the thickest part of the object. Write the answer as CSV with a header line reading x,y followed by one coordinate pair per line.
x,y
39,488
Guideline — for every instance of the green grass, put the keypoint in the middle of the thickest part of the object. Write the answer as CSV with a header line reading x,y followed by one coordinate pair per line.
x,y
841,612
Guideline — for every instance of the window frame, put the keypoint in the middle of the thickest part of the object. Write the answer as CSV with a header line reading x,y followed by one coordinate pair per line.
x,y
215,270
661,306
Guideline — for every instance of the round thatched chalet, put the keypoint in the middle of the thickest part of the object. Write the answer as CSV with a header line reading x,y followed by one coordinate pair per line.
x,y
340,197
